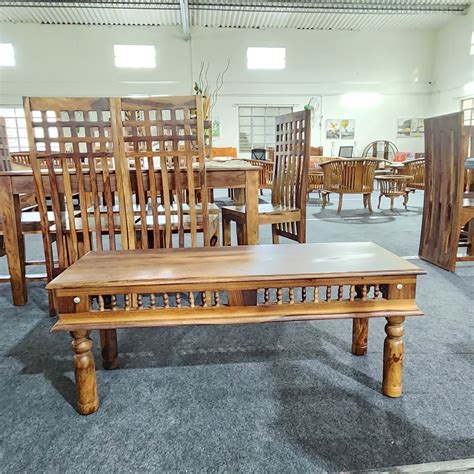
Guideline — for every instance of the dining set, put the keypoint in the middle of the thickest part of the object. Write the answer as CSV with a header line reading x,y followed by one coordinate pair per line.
x,y
123,193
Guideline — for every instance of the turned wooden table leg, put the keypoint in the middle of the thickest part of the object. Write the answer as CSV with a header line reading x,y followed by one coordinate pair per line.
x,y
393,352
109,348
360,336
84,369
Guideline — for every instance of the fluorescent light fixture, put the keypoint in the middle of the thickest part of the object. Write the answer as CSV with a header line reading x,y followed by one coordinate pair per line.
x,y
361,99
134,55
266,58
7,54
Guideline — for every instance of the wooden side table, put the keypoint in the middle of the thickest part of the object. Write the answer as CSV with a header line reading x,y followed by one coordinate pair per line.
x,y
393,186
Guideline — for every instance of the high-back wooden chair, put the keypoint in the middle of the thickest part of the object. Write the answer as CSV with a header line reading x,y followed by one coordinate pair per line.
x,y
85,182
287,211
5,160
164,139
349,177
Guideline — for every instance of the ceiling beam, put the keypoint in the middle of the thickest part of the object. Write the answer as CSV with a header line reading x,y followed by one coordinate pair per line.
x,y
184,10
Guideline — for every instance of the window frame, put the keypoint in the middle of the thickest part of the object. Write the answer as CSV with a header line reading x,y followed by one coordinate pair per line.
x,y
269,112
121,56
19,131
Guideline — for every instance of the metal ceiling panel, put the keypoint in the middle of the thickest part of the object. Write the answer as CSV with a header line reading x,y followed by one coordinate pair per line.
x,y
321,15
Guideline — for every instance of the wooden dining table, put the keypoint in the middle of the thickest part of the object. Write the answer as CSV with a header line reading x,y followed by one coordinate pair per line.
x,y
240,176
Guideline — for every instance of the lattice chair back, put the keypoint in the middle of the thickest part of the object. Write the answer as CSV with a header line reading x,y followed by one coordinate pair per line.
x,y
164,139
5,161
75,139
291,166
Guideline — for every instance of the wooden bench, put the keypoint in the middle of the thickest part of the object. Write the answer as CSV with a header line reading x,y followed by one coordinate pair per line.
x,y
234,285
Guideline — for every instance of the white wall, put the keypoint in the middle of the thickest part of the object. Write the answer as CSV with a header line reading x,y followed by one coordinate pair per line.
x,y
454,65
78,60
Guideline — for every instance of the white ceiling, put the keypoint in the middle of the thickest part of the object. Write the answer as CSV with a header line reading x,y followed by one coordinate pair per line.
x,y
309,14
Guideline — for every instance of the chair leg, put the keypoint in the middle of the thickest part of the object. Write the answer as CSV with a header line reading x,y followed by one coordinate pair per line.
x,y
226,235
391,203
380,199
339,207
364,200
109,348
240,234
405,201
275,236
369,202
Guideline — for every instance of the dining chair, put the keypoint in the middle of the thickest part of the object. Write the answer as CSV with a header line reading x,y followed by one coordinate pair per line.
x,y
354,176
380,149
287,211
416,169
164,138
85,181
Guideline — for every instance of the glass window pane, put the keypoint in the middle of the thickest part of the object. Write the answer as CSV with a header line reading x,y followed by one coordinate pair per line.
x,y
245,111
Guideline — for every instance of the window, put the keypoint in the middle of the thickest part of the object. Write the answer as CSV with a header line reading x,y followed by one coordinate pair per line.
x,y
7,54
16,128
134,55
257,126
266,58
467,106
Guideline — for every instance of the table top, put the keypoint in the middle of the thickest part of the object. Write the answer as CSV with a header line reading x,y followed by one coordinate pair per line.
x,y
108,269
394,176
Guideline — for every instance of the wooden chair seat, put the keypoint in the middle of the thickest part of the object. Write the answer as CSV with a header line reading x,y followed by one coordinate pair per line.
x,y
79,223
265,211
213,209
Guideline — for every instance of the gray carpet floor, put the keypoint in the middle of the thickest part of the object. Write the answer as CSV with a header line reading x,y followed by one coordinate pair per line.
x,y
257,398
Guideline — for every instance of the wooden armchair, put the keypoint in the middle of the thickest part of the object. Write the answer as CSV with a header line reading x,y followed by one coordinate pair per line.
x,y
265,175
415,168
287,212
349,177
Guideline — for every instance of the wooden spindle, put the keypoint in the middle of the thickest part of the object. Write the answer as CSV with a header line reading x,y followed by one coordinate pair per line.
x,y
152,301
140,301
217,299
191,299
316,294
340,292
377,292
303,294
352,293
328,293
166,300
364,292
279,296
292,296
101,303
178,299
113,302
204,298
127,301
266,295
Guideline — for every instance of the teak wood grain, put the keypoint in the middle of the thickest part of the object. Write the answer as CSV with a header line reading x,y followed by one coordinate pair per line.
x,y
248,284
447,208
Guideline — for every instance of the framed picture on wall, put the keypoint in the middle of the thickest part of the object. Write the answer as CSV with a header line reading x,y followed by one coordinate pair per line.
x,y
333,129
414,127
347,129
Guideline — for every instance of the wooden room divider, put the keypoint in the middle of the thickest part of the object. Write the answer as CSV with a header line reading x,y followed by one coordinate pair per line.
x,y
447,208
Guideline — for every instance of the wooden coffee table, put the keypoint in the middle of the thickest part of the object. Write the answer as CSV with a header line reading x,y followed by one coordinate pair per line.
x,y
234,285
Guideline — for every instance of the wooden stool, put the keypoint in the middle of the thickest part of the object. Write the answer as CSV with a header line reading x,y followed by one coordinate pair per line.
x,y
393,186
